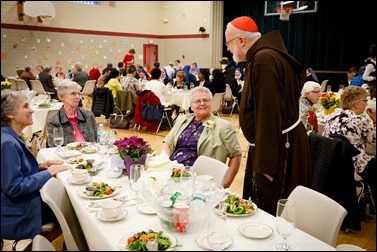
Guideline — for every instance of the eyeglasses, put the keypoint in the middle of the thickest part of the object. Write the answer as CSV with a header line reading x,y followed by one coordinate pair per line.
x,y
316,92
73,93
198,101
227,42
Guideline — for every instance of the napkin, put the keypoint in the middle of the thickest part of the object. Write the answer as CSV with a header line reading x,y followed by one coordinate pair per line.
x,y
159,161
94,206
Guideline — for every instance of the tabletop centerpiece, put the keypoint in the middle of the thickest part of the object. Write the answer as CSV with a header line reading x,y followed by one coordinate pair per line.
x,y
329,102
6,84
224,61
133,150
19,71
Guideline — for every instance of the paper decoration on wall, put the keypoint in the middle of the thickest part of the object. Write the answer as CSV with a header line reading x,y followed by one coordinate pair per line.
x,y
34,49
60,53
48,40
62,44
104,57
82,56
113,44
4,55
77,48
90,48
116,57
58,63
86,66
97,52
91,40
81,41
100,46
15,45
69,61
38,41
4,36
23,39
48,47
25,56
119,51
105,40
46,56
110,49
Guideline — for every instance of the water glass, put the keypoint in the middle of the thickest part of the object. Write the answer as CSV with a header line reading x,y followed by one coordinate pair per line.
x,y
136,171
217,228
58,137
285,222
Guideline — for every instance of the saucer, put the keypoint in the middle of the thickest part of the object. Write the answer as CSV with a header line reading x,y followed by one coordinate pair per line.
x,y
100,216
255,230
145,209
202,241
79,183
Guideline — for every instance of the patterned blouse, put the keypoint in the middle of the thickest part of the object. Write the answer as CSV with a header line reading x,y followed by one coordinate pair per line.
x,y
308,115
129,82
186,150
358,130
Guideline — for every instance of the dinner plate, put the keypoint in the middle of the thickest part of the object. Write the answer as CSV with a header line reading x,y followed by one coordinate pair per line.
x,y
145,208
82,193
100,216
123,241
255,230
69,179
69,153
89,149
76,145
244,215
202,241
76,160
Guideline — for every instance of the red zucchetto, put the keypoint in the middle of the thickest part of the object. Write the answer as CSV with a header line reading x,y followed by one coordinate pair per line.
x,y
245,23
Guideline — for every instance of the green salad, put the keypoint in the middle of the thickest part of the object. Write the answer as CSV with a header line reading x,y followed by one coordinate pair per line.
x,y
237,205
138,242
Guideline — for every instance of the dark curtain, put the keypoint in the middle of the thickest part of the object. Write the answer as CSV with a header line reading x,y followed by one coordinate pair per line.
x,y
330,39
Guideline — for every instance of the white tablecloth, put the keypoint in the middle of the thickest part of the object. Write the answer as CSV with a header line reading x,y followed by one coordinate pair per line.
x,y
180,98
106,235
40,117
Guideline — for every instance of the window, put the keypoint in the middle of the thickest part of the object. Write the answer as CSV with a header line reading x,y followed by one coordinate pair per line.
x,y
271,8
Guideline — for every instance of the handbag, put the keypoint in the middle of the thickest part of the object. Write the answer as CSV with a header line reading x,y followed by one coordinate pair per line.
x,y
119,121
151,112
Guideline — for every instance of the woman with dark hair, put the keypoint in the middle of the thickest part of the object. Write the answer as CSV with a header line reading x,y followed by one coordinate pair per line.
x,y
112,82
22,211
218,81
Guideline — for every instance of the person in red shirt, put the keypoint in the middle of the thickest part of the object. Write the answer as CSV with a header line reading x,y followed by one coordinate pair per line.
x,y
94,73
129,58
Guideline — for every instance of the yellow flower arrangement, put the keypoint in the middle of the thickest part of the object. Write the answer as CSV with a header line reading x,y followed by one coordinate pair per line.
x,y
329,100
6,84
224,60
19,70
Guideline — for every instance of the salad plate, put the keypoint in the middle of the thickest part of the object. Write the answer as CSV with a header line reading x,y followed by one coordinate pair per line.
x,y
136,235
254,207
255,230
202,241
101,217
69,153
82,193
76,145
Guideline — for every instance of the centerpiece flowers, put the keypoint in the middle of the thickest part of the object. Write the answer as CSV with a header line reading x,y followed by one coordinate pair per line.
x,y
329,102
6,84
133,150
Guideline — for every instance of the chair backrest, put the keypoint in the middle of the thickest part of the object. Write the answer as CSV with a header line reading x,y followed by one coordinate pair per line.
x,y
88,87
41,243
323,85
217,101
55,196
21,84
228,96
37,86
317,214
14,84
204,165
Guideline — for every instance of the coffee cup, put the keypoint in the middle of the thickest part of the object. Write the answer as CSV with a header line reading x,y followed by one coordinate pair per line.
x,y
111,209
79,175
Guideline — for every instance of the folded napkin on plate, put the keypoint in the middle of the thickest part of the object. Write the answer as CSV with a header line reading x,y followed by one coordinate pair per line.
x,y
159,161
94,206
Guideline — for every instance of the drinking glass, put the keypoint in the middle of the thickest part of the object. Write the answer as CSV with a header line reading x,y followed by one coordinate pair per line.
x,y
285,222
103,145
328,89
136,171
217,228
58,137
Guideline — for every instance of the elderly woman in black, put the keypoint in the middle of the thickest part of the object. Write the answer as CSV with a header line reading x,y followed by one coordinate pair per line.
x,y
79,125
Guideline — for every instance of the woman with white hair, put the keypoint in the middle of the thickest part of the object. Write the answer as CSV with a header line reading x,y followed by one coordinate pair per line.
x,y
310,94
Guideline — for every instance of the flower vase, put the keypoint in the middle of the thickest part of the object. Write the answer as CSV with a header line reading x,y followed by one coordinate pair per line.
x,y
329,110
129,161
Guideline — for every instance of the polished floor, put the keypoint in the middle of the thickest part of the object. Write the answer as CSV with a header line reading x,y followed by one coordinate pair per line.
x,y
366,238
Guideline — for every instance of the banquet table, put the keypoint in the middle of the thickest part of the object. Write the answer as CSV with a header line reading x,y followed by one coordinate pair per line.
x,y
40,116
180,98
105,236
